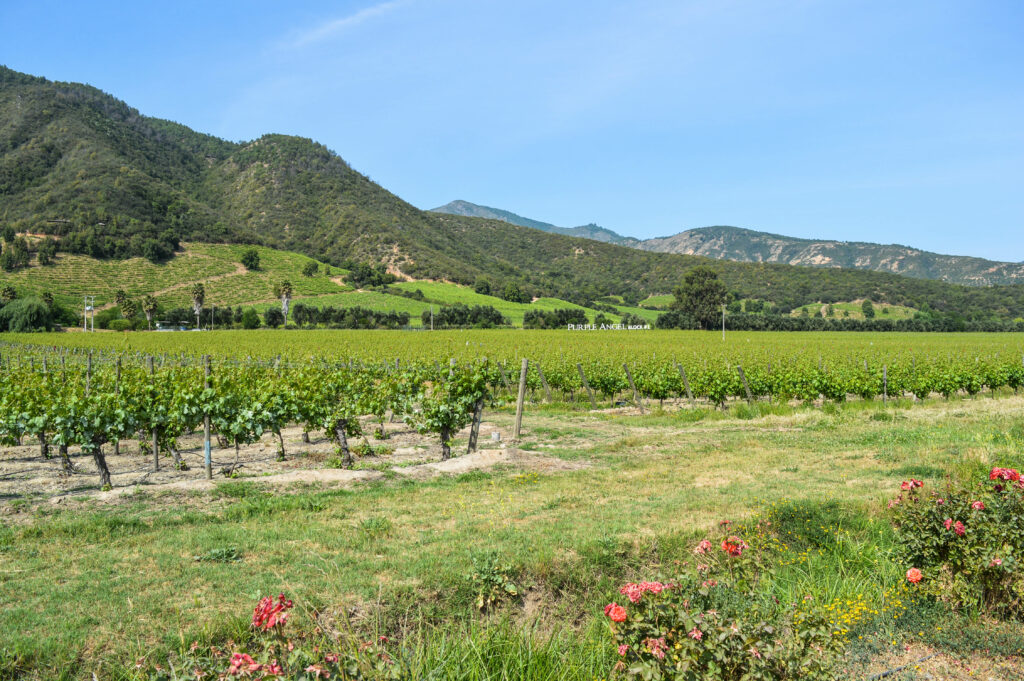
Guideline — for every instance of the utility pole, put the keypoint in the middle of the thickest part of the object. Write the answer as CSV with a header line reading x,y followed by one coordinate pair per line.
x,y
723,321
431,317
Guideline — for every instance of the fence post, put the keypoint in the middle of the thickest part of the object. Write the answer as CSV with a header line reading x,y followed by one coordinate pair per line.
x,y
474,431
521,398
885,384
156,443
544,382
586,384
207,458
746,386
636,395
504,378
117,392
686,384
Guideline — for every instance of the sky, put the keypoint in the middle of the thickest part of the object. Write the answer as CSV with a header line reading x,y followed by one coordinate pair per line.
x,y
862,120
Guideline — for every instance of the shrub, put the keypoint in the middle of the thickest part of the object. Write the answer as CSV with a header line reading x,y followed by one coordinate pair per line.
x,y
251,259
492,580
120,325
964,543
710,623
274,317
250,319
271,654
24,315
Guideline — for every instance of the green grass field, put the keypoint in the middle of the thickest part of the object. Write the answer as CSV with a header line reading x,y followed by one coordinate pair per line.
x,y
605,498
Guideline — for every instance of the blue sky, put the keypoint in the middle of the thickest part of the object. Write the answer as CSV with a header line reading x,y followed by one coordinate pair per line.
x,y
897,122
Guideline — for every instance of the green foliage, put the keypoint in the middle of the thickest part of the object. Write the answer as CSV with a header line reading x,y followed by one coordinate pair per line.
x,y
701,296
273,317
966,540
251,259
250,319
710,622
310,269
482,286
223,554
367,275
25,315
493,581
513,294
868,309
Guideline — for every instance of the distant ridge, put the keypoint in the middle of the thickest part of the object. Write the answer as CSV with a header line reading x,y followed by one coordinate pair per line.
x,y
747,245
590,231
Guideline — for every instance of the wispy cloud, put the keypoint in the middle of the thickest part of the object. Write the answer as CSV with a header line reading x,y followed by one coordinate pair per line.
x,y
335,26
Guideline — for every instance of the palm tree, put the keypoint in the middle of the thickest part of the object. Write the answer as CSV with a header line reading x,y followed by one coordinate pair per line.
x,y
198,297
149,308
284,292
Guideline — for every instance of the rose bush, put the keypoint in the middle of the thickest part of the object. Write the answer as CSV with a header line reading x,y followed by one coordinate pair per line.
x,y
272,655
710,623
966,541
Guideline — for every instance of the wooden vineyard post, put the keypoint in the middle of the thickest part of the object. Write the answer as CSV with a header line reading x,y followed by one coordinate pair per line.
x,y
544,382
521,398
885,384
117,392
586,384
207,458
451,368
636,395
474,431
686,384
746,386
156,443
504,378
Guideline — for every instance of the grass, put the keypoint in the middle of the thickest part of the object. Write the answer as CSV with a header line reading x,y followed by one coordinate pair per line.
x,y
854,310
73,276
97,586
450,294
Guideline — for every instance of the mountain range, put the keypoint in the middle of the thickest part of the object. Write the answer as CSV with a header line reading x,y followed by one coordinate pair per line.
x,y
111,183
747,245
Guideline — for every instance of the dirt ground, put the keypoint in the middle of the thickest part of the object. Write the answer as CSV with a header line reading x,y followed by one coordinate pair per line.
x,y
26,475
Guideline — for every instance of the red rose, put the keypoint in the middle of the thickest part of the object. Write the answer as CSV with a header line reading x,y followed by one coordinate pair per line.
x,y
615,612
914,575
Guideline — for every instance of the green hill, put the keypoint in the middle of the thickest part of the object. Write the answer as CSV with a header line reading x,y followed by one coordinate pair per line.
x,y
111,183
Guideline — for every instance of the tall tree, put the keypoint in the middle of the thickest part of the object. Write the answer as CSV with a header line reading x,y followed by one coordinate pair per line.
x,y
198,298
149,307
701,296
284,292
129,308
868,309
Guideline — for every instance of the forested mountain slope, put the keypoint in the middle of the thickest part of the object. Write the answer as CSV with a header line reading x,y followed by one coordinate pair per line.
x,y
110,182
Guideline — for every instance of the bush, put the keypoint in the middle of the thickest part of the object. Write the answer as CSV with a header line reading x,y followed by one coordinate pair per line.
x,y
250,319
711,623
120,325
964,543
25,315
274,317
251,259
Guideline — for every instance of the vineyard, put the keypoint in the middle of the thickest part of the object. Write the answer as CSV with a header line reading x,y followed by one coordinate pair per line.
x,y
82,399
